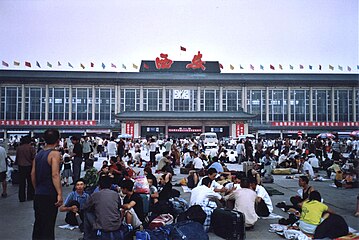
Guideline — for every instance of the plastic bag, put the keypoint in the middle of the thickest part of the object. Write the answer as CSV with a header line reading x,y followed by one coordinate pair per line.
x,y
141,185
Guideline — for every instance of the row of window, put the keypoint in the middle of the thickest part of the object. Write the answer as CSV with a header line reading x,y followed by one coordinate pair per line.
x,y
99,104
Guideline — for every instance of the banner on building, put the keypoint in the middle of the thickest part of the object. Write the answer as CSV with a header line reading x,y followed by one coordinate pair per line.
x,y
56,123
315,124
130,128
239,129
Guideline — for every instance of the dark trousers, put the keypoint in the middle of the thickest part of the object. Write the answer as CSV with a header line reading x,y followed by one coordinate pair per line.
x,y
153,158
89,220
45,217
25,184
86,158
262,209
77,168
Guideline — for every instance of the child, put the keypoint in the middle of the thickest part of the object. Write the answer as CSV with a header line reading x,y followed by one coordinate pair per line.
x,y
66,173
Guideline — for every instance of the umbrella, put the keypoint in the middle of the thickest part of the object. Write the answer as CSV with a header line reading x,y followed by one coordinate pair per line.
x,y
355,134
124,135
325,135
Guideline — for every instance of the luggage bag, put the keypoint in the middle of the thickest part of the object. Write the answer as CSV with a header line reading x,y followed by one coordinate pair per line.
x,y
228,224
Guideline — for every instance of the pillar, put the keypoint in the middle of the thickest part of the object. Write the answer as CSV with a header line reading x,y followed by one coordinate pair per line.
x,y
23,102
70,103
47,102
220,99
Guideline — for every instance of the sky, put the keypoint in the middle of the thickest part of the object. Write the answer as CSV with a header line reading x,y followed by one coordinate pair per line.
x,y
233,32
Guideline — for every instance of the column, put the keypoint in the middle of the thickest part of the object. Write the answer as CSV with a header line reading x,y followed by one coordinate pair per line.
x,y
198,98
141,98
70,103
332,104
93,103
354,105
311,104
23,102
289,105
244,98
116,97
164,99
221,99
47,102
267,104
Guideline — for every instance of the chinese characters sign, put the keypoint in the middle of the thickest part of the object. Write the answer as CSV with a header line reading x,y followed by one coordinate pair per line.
x,y
197,62
315,124
130,128
57,123
239,129
163,62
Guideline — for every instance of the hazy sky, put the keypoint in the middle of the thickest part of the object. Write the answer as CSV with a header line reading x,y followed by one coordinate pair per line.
x,y
237,32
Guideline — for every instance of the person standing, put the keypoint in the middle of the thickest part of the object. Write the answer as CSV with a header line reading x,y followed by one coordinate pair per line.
x,y
3,170
77,159
87,150
25,155
45,176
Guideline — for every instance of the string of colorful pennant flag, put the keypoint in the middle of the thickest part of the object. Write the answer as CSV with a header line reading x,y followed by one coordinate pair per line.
x,y
251,67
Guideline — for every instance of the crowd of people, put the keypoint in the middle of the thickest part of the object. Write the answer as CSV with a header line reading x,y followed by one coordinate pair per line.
x,y
105,203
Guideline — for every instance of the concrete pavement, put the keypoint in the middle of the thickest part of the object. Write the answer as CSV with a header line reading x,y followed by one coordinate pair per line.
x,y
17,218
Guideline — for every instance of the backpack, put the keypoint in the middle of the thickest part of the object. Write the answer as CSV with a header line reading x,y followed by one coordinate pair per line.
x,y
188,230
178,204
194,213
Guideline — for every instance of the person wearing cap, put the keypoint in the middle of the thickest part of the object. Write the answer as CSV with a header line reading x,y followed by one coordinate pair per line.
x,y
314,162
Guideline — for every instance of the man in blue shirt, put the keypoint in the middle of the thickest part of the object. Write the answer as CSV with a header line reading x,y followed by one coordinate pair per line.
x,y
74,203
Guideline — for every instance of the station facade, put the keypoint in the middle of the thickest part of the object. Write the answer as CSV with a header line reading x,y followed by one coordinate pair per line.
x,y
177,102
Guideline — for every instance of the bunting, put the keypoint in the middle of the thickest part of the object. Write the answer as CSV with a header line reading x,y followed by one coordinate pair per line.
x,y
320,67
5,64
280,67
291,67
70,65
58,63
231,67
349,69
123,66
146,66
331,67
82,66
220,66
357,67
134,66
49,65
103,66
240,66
271,67
113,65
310,67
38,64
16,63
261,67
340,68
92,64
183,49
252,67
301,66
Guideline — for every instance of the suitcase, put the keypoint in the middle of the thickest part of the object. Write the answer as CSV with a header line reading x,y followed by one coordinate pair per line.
x,y
184,170
15,177
146,203
161,220
282,171
228,224
247,166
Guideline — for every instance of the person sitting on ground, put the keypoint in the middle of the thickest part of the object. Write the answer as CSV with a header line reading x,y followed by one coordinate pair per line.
x,y
264,206
153,192
236,181
216,165
165,187
212,173
102,213
188,159
303,194
198,164
307,169
192,179
164,165
312,213
245,199
147,171
314,162
138,158
74,204
91,179
132,205
283,159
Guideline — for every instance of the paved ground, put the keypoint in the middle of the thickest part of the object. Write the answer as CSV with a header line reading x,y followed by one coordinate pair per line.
x,y
17,218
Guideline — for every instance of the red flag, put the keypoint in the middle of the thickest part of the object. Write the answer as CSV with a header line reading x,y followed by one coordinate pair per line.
x,y
92,64
220,66
183,49
271,67
146,66
27,64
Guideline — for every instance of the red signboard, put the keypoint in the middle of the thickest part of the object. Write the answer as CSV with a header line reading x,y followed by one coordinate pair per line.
x,y
315,124
56,123
239,129
184,129
130,128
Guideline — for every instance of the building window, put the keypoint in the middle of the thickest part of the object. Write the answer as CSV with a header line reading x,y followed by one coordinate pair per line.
x,y
256,104
210,100
130,100
299,100
278,108
81,103
357,103
343,105
105,105
232,100
11,103
321,105
58,103
35,102
152,99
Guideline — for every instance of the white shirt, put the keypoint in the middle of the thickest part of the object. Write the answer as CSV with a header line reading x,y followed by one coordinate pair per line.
x,y
200,193
232,157
3,160
282,158
111,148
198,163
309,168
214,184
314,162
153,146
262,193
